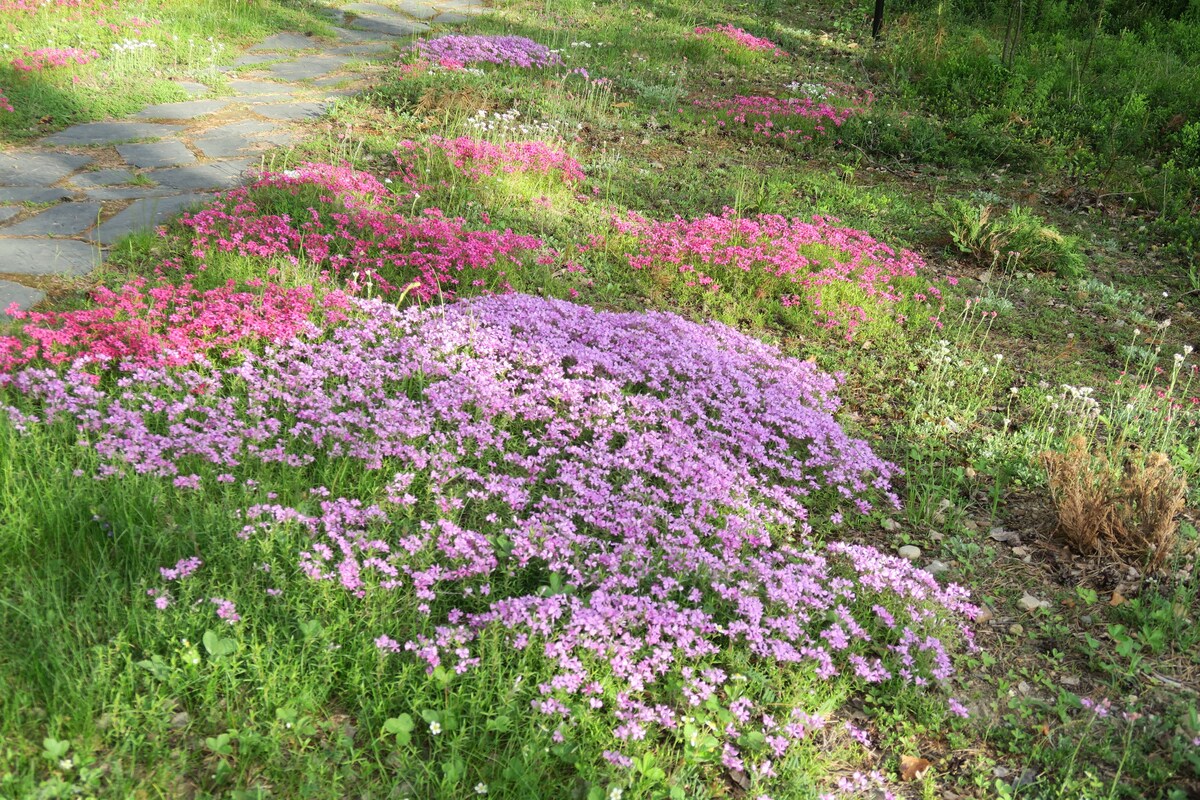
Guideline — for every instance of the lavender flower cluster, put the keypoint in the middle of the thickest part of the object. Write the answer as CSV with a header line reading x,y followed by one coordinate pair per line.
x,y
661,471
461,50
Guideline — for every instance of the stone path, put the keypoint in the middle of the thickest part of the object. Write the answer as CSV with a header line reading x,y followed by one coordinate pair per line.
x,y
68,197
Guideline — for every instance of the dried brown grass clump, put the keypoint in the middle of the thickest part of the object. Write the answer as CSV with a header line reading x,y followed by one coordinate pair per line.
x,y
1132,519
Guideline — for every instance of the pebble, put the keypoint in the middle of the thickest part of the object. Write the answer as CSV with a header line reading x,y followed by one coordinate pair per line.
x,y
1030,603
937,567
909,551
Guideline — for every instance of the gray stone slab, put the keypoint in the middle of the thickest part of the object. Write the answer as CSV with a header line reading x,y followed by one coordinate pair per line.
x,y
286,41
243,129
110,132
347,35
463,6
415,8
451,18
292,112
156,154
7,213
253,88
193,88
23,296
48,257
262,99
306,69
131,193
239,138
102,177
381,19
188,109
38,169
251,60
217,175
25,194
65,219
363,50
145,214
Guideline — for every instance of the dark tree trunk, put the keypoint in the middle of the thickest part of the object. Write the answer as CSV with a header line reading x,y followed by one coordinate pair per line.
x,y
877,22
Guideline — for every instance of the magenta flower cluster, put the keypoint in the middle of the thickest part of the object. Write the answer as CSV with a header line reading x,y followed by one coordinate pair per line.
x,y
804,260
5,103
745,39
476,159
461,50
144,324
352,233
662,472
801,119
47,57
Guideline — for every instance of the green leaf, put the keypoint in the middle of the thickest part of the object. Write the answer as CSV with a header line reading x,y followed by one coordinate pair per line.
x,y
500,724
401,727
55,749
156,667
217,645
311,629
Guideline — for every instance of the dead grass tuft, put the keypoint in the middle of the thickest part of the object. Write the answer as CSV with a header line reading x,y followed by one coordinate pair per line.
x,y
1130,517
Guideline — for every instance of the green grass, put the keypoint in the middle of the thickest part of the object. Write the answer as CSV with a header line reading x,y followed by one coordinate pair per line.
x,y
189,41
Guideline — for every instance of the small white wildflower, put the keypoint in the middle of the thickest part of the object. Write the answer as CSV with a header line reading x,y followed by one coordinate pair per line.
x,y
481,788
616,793
435,727
66,764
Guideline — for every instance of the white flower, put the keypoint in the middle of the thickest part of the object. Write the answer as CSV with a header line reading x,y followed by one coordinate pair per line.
x,y
481,788
616,793
66,764
435,727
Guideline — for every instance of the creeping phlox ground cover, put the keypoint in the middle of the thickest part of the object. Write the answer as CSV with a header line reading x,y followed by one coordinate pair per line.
x,y
796,119
743,38
661,475
463,50
159,324
838,276
352,230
